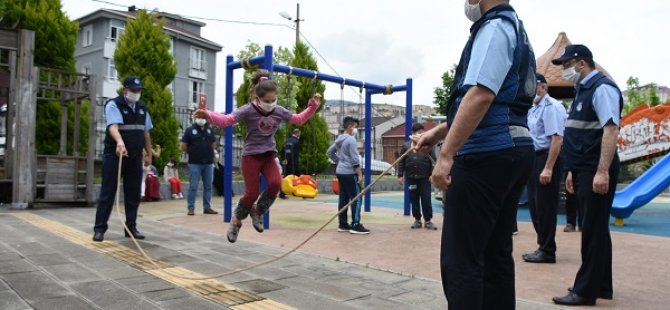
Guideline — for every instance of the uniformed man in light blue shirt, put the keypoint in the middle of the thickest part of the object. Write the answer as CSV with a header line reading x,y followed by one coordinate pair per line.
x,y
546,122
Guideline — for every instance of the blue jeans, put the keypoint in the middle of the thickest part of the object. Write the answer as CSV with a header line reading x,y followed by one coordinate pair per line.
x,y
198,171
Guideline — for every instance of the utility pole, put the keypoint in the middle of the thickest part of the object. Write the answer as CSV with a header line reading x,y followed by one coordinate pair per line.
x,y
297,23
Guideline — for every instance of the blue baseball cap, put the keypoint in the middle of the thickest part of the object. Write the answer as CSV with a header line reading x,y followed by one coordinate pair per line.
x,y
540,78
573,51
132,82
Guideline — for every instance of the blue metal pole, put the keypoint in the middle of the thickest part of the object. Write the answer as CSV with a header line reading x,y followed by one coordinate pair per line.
x,y
408,133
267,65
228,152
368,147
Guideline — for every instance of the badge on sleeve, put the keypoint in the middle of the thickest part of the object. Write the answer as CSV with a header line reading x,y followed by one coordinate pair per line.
x,y
579,107
209,131
194,132
141,112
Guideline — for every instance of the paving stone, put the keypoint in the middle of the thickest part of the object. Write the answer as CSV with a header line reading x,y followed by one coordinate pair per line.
x,y
173,293
271,273
32,248
72,250
35,285
376,289
375,303
305,300
48,259
110,296
413,298
119,272
3,286
259,286
145,283
66,302
379,275
333,292
10,256
10,301
178,259
210,269
191,303
72,273
313,272
15,266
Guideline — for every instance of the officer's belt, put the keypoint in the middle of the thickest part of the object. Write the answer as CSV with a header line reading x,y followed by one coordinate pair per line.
x,y
582,124
519,132
131,127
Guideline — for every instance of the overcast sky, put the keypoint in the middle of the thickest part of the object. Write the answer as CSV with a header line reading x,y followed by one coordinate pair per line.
x,y
388,41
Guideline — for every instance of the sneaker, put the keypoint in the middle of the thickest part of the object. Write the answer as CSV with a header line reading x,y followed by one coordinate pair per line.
x,y
344,228
417,224
190,212
569,228
359,230
233,230
430,225
256,219
181,196
175,196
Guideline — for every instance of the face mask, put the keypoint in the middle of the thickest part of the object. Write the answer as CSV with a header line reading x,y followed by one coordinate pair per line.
x,y
268,106
170,164
132,97
571,75
200,122
354,132
472,11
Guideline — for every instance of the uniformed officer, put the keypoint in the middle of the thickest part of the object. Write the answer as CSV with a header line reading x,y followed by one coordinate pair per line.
x,y
128,126
486,158
198,141
590,156
546,122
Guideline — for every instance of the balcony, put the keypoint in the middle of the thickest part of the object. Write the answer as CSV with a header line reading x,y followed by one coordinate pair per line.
x,y
110,47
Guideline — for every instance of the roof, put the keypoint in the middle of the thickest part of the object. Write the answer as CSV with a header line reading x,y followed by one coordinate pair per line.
x,y
376,120
170,28
400,130
552,72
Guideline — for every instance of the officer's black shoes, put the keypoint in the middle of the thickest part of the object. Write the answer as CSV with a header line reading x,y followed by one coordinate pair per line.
x,y
210,211
136,234
539,257
608,296
573,299
98,237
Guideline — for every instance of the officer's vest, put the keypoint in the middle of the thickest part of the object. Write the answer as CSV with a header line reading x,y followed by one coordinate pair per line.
x,y
583,132
132,129
505,124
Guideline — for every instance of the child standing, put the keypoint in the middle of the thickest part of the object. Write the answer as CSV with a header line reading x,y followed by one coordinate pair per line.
x,y
262,117
171,175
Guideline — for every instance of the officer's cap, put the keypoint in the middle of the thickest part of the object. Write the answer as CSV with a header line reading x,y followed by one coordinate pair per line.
x,y
573,51
132,82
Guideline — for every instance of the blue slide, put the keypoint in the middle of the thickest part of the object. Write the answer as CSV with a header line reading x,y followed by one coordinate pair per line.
x,y
645,188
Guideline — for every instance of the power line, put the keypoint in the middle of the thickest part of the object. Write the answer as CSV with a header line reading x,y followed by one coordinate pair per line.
x,y
111,3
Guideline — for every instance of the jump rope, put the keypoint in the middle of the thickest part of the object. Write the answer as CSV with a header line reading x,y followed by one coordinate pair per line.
x,y
262,263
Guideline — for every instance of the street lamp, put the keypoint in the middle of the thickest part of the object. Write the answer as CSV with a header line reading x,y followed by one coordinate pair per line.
x,y
296,21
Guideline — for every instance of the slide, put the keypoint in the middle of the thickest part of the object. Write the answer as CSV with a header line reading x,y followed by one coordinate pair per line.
x,y
645,188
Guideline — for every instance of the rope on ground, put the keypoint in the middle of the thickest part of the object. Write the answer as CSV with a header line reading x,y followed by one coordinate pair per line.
x,y
252,266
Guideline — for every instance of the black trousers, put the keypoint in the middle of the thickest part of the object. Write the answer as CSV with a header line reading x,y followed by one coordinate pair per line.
x,y
543,203
349,189
419,195
573,214
476,260
131,172
594,277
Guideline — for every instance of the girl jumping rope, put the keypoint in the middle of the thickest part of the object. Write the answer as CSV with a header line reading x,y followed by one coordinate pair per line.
x,y
262,117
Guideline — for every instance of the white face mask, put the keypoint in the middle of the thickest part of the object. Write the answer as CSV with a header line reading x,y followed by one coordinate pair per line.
x,y
571,75
133,97
472,11
268,106
170,164
200,122
354,132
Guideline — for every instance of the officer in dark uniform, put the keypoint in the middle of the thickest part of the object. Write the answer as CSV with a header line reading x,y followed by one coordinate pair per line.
x,y
290,155
128,125
486,159
590,156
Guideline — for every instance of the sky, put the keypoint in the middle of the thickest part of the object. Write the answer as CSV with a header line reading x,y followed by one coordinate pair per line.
x,y
386,42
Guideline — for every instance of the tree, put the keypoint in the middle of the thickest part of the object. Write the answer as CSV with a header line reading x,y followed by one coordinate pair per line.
x,y
314,133
55,39
144,51
442,93
638,95
286,96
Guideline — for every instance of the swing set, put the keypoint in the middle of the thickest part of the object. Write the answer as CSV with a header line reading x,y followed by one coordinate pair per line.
x,y
266,62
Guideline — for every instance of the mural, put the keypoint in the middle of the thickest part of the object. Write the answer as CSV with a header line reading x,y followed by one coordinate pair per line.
x,y
645,133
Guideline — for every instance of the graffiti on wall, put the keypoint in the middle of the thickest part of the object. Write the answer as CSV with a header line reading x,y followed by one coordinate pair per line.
x,y
645,132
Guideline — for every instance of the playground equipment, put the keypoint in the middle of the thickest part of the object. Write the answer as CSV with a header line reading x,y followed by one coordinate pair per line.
x,y
266,62
300,186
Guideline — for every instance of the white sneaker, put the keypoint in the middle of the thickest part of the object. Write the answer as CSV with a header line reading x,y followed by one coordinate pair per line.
x,y
175,196
181,196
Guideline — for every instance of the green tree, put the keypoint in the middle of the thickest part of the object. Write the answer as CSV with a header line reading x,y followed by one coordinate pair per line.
x,y
314,134
55,41
287,90
144,51
441,93
637,95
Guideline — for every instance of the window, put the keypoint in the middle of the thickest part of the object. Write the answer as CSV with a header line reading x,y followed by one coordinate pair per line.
x,y
196,89
111,70
86,69
115,30
87,36
198,60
